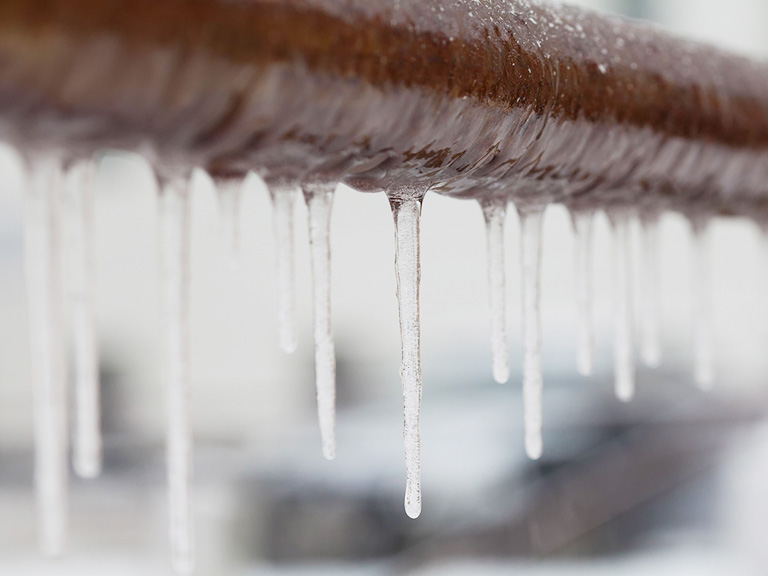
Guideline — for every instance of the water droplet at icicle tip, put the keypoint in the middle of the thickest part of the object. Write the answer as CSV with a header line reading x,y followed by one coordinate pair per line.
x,y
624,328
583,262
494,212
319,199
701,299
531,219
175,259
42,270
651,347
229,194
407,212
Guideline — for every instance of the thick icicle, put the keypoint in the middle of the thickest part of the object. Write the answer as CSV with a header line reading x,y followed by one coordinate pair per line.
x,y
46,351
407,213
531,219
174,222
229,194
79,195
582,225
284,205
319,198
624,336
650,274
495,212
702,305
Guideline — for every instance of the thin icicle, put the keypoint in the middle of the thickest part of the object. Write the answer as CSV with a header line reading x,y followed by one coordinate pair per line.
x,y
284,205
174,221
531,219
583,225
702,305
87,458
408,270
46,351
319,200
624,336
651,310
230,193
495,212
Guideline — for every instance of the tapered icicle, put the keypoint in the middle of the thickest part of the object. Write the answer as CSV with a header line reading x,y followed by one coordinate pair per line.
x,y
495,212
229,194
87,457
174,222
46,351
284,206
408,270
650,276
702,305
319,200
531,219
583,225
624,336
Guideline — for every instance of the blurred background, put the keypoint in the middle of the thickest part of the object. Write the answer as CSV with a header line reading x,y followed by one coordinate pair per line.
x,y
676,481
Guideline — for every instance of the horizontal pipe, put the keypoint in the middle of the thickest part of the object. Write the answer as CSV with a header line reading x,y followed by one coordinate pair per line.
x,y
471,99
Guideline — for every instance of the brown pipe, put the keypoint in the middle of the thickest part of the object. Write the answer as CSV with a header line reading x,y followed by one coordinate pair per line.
x,y
468,98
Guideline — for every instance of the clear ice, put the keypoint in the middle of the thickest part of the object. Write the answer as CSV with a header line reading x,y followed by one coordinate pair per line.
x,y
651,347
42,271
702,304
582,225
407,214
624,326
174,234
229,194
531,219
319,200
495,212
284,206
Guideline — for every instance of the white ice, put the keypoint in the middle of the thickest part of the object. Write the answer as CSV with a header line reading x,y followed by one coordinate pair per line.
x,y
702,305
531,225
624,327
495,212
284,206
174,234
229,194
651,347
582,225
319,203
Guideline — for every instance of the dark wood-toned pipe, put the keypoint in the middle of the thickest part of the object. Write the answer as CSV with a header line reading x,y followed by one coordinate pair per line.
x,y
467,98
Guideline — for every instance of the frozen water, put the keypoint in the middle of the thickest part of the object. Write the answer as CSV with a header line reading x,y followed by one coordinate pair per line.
x,y
624,325
582,224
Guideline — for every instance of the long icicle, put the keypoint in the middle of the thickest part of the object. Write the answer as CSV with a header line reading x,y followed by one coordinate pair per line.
x,y
319,200
87,458
46,351
531,219
495,212
582,226
174,221
284,206
230,192
702,304
624,336
650,275
407,214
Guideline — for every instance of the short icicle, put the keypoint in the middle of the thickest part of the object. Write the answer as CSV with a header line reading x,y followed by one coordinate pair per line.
x,y
531,219
495,212
624,336
702,304
230,192
47,351
319,198
407,212
174,233
582,226
87,457
651,347
284,205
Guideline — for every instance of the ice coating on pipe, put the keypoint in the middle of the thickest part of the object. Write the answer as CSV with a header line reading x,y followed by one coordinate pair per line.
x,y
624,318
495,212
583,254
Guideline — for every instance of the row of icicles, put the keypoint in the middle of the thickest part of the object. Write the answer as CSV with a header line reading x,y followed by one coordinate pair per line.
x,y
50,180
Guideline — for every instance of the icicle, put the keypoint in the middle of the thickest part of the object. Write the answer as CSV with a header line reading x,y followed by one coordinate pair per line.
x,y
284,202
408,270
174,221
624,337
319,200
650,270
582,225
46,351
88,444
229,193
702,304
495,212
531,219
